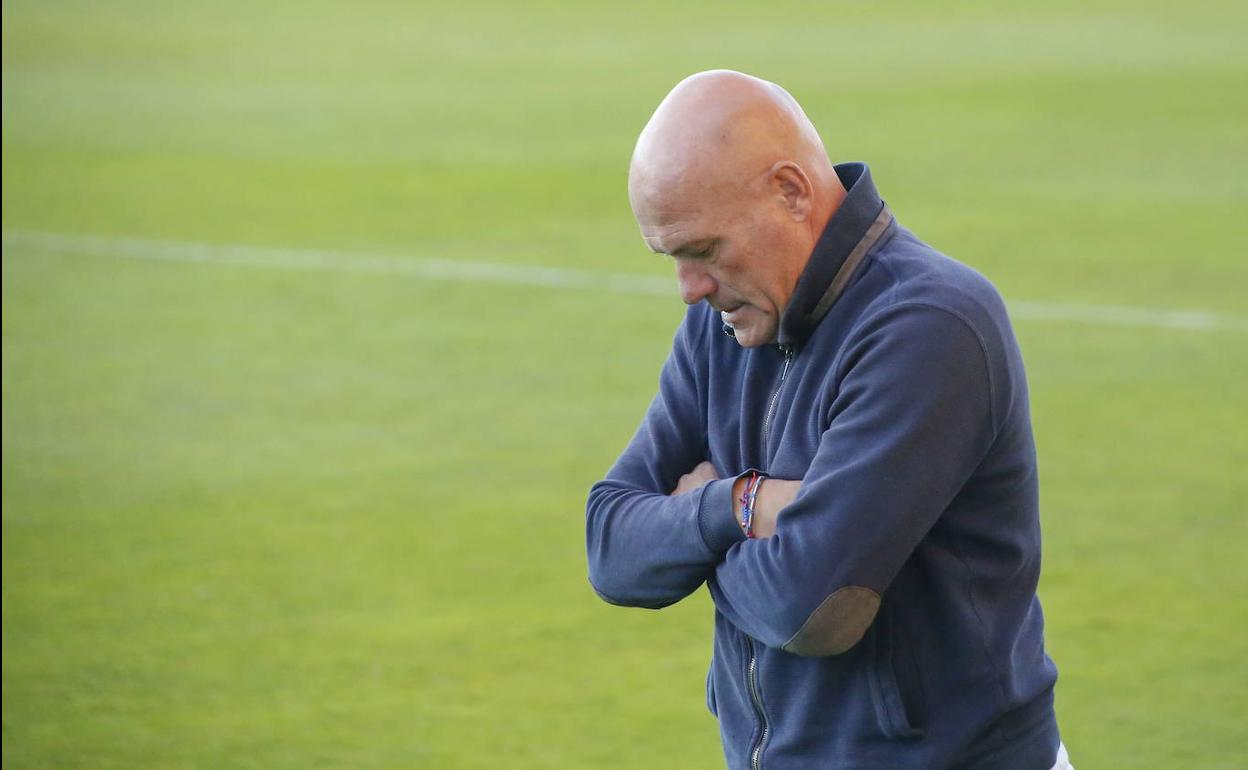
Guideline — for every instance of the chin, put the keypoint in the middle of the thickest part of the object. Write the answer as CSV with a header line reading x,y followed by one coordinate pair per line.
x,y
753,338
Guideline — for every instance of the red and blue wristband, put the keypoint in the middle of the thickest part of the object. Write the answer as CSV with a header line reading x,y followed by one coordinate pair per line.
x,y
748,495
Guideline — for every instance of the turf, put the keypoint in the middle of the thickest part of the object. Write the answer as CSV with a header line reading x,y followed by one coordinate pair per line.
x,y
262,518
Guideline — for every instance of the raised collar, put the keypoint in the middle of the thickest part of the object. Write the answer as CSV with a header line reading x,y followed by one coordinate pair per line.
x,y
855,227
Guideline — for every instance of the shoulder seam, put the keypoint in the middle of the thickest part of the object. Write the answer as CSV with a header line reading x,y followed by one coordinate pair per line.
x,y
979,340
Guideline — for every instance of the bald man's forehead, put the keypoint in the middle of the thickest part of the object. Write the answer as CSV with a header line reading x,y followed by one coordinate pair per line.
x,y
664,193
660,217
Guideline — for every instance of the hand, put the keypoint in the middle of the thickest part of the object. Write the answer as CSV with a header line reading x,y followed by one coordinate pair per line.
x,y
703,473
773,496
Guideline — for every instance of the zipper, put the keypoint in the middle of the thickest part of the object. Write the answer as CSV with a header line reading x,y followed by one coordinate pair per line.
x,y
775,397
751,669
751,680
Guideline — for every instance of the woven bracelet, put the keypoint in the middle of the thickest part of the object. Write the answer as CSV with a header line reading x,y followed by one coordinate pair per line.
x,y
748,496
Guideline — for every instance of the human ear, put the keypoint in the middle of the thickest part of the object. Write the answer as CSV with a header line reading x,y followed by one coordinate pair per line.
x,y
794,189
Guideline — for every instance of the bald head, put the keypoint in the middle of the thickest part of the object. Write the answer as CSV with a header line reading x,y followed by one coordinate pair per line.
x,y
731,179
720,129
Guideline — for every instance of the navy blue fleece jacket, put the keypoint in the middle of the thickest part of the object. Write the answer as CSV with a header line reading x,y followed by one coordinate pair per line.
x,y
892,620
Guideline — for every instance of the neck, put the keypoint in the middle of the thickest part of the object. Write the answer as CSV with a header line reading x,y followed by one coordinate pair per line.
x,y
830,197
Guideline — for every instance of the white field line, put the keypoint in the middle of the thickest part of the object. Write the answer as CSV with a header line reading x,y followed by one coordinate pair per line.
x,y
529,275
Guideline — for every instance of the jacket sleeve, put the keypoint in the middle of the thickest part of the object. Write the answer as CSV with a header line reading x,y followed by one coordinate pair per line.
x,y
910,421
647,549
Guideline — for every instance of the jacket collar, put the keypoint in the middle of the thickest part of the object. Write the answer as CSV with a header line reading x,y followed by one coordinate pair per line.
x,y
851,232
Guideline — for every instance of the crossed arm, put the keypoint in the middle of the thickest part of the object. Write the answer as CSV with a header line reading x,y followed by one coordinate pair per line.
x,y
912,419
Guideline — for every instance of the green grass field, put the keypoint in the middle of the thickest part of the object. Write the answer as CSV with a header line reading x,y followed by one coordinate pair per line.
x,y
261,517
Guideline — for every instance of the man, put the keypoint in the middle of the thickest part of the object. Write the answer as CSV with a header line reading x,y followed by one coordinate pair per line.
x,y
853,476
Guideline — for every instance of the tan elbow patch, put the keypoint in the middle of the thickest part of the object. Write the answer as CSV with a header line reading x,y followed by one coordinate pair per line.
x,y
837,623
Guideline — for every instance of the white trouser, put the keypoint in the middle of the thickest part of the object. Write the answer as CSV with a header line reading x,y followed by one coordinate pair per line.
x,y
1063,761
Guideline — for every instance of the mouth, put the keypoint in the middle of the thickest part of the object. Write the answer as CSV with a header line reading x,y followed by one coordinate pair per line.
x,y
727,314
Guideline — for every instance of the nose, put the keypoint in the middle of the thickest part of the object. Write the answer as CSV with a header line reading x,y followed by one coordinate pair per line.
x,y
696,283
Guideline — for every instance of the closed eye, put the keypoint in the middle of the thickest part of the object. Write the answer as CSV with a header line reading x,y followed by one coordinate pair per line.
x,y
700,251
694,250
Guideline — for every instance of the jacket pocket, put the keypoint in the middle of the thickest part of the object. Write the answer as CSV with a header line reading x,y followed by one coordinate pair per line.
x,y
887,696
710,690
